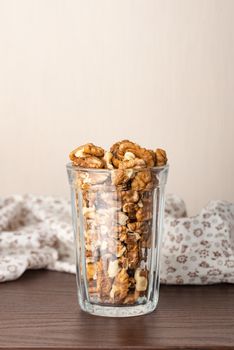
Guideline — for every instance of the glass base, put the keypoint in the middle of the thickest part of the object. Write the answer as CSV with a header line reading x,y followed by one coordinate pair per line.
x,y
119,311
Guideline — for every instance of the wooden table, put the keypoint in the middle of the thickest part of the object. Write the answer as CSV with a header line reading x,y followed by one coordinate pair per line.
x,y
40,311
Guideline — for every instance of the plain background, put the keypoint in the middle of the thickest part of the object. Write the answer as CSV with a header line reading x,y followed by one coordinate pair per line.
x,y
158,72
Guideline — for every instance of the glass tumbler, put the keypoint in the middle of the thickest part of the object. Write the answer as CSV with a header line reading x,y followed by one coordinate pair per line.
x,y
118,220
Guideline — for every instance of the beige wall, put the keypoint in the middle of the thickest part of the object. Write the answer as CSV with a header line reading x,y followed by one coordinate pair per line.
x,y
158,72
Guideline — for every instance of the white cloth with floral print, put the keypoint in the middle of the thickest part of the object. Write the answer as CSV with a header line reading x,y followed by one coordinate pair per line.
x,y
36,232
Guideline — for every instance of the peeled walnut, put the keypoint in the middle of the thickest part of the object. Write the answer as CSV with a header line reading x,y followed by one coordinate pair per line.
x,y
121,176
123,262
133,253
108,159
130,196
142,227
141,180
131,298
126,146
120,148
130,207
122,218
161,157
114,149
86,150
120,286
133,257
141,280
113,268
90,270
88,156
132,238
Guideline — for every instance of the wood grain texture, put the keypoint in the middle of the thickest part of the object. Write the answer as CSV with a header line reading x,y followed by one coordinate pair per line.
x,y
40,311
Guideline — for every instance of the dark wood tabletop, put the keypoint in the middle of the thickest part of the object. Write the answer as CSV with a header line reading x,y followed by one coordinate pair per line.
x,y
40,311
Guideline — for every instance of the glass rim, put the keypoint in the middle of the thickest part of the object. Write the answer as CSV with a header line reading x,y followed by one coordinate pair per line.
x,y
71,166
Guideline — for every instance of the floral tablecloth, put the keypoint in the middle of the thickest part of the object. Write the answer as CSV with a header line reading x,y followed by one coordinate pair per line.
x,y
36,232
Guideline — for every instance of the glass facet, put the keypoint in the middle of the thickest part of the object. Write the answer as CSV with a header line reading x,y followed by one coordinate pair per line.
x,y
117,219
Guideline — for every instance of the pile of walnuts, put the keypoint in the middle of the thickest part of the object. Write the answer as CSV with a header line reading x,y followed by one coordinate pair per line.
x,y
117,209
122,155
